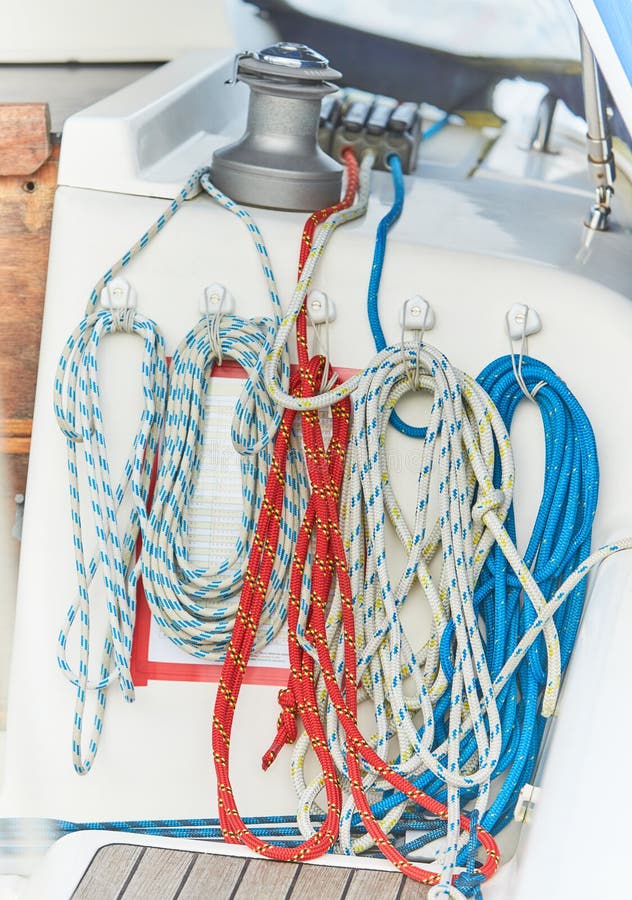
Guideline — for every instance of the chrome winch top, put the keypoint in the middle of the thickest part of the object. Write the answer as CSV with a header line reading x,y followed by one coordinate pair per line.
x,y
298,56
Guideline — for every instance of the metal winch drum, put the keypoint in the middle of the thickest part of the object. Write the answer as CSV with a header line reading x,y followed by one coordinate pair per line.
x,y
278,162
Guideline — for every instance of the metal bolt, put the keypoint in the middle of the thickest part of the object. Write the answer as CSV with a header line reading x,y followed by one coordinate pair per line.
x,y
415,311
316,305
117,291
519,318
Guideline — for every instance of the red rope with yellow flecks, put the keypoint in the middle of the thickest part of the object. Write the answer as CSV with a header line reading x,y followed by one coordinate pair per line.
x,y
320,526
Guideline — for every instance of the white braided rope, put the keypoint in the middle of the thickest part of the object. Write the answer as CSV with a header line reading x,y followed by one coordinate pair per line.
x,y
118,512
196,607
273,373
469,525
78,411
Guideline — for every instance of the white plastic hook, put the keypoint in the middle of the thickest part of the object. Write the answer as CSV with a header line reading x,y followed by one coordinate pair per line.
x,y
521,321
320,308
118,293
416,315
321,311
217,299
215,302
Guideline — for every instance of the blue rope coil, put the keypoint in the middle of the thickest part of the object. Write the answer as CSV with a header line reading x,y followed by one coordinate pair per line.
x,y
560,539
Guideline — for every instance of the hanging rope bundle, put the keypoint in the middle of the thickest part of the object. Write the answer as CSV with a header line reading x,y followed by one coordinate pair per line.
x,y
311,582
196,606
118,511
560,539
464,431
307,378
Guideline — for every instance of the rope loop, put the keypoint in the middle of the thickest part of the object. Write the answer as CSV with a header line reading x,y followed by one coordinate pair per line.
x,y
468,884
113,560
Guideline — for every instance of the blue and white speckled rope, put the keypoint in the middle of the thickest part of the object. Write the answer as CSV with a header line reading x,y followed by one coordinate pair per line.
x,y
188,190
79,415
196,606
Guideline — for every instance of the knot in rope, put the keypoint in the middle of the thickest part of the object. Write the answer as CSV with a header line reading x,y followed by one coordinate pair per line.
x,y
490,500
124,319
469,881
287,716
287,730
468,884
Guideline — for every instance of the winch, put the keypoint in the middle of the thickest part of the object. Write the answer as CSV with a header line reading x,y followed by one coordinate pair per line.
x,y
278,163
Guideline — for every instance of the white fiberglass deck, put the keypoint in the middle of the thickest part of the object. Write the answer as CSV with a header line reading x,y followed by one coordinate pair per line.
x,y
472,248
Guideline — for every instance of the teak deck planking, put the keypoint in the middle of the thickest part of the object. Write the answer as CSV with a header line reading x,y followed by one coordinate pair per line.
x,y
127,872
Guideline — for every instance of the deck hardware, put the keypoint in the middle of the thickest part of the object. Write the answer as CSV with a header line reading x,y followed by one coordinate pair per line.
x,y
118,294
320,308
523,321
277,163
600,157
416,314
527,799
215,298
543,126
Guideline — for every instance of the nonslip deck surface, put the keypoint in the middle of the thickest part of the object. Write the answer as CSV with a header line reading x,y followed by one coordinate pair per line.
x,y
137,873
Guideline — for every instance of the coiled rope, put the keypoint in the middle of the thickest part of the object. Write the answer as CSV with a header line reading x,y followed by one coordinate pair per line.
x,y
196,606
78,411
560,539
310,589
463,430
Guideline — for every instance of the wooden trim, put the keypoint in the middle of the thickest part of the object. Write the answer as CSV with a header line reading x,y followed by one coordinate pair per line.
x,y
15,446
24,137
15,436
15,428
